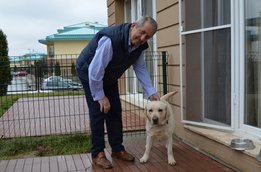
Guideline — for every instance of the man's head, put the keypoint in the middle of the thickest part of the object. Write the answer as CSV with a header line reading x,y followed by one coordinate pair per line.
x,y
142,30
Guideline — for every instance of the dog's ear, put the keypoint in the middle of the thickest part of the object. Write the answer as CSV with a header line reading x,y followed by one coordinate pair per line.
x,y
145,111
168,112
168,95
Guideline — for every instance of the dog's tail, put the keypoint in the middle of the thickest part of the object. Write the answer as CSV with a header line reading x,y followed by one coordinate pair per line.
x,y
168,95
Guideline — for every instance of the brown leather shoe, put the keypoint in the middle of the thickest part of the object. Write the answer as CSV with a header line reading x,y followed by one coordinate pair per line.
x,y
101,160
123,155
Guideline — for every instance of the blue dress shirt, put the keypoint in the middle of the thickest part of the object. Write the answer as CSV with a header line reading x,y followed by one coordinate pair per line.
x,y
100,61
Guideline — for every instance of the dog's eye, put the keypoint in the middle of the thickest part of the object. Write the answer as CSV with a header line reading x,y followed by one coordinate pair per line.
x,y
160,110
150,110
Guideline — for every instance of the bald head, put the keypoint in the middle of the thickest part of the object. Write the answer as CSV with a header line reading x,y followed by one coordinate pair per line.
x,y
144,19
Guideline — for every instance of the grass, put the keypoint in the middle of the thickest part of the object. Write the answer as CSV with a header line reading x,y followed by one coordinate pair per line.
x,y
44,146
7,101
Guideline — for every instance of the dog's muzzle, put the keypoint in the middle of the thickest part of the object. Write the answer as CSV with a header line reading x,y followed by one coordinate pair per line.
x,y
155,120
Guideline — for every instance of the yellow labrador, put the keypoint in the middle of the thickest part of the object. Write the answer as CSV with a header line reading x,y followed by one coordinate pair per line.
x,y
160,125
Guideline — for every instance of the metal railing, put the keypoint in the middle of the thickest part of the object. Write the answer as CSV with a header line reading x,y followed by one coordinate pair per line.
x,y
45,96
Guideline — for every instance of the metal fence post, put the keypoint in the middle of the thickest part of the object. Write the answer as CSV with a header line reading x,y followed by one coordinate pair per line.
x,y
164,72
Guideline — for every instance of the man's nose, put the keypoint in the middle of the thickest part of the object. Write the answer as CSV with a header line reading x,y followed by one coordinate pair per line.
x,y
143,38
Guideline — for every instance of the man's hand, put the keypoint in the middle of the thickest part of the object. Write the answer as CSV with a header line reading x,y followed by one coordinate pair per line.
x,y
104,105
154,97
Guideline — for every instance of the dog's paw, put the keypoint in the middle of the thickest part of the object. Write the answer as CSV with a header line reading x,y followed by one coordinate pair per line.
x,y
144,159
171,161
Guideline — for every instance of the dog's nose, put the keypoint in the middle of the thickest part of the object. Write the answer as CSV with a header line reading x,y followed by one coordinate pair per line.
x,y
155,120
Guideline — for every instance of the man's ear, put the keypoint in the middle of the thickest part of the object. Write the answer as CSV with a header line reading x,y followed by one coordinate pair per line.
x,y
133,25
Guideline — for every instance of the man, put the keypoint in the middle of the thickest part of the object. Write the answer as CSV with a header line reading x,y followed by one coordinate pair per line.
x,y
111,52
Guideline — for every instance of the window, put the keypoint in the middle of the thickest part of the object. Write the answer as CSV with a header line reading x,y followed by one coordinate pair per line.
x,y
221,59
133,10
252,115
206,55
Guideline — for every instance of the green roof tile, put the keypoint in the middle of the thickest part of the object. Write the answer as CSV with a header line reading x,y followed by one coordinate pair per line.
x,y
80,31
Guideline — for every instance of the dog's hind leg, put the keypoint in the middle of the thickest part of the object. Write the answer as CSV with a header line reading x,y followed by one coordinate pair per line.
x,y
171,159
148,146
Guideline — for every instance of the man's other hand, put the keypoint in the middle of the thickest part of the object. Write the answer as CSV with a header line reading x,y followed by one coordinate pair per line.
x,y
104,105
154,97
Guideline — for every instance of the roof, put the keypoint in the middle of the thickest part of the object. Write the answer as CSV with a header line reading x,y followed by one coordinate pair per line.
x,y
33,56
80,31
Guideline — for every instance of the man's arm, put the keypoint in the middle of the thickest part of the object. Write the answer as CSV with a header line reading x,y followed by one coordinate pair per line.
x,y
96,72
97,67
142,74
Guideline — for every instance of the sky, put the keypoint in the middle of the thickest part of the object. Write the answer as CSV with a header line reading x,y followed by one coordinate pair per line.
x,y
24,22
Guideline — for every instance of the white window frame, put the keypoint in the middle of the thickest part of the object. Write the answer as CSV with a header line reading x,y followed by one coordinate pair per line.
x,y
181,34
136,12
237,72
241,71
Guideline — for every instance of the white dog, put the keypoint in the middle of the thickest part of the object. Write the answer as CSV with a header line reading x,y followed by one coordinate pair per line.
x,y
160,125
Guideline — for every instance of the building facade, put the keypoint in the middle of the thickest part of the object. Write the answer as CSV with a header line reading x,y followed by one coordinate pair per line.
x,y
214,62
64,46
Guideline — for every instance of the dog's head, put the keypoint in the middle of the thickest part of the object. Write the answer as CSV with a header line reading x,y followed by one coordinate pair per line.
x,y
157,112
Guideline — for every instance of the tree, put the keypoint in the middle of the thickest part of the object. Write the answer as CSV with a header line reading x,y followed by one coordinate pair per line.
x,y
57,69
40,68
73,70
5,70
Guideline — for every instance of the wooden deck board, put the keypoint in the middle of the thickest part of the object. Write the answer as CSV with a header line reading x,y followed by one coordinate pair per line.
x,y
36,166
54,165
45,165
28,165
11,166
62,166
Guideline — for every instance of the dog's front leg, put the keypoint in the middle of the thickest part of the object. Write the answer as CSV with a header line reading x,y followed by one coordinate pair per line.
x,y
171,159
145,156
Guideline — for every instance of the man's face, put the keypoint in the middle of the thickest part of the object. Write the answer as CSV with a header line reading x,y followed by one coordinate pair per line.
x,y
140,34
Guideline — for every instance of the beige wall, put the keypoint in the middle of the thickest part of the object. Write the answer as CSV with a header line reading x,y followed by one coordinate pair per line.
x,y
168,40
115,12
69,47
68,50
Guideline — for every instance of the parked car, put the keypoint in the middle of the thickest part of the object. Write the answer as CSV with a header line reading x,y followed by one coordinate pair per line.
x,y
72,83
60,85
57,78
21,73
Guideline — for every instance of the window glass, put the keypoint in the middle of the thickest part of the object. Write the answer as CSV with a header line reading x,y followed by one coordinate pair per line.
x,y
208,76
133,10
207,61
200,14
253,63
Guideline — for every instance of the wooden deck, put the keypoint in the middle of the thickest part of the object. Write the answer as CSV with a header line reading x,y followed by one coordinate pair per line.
x,y
44,116
188,160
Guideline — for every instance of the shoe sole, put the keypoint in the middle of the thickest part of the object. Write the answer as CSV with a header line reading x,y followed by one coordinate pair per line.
x,y
104,167
132,160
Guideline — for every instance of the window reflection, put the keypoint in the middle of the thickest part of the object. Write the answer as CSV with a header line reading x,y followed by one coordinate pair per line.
x,y
206,13
253,63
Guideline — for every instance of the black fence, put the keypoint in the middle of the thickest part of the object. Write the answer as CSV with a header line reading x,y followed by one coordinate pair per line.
x,y
45,96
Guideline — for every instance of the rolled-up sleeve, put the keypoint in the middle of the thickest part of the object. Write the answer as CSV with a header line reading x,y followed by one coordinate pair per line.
x,y
143,76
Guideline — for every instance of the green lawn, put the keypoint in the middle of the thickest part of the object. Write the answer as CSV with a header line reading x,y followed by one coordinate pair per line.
x,y
44,146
